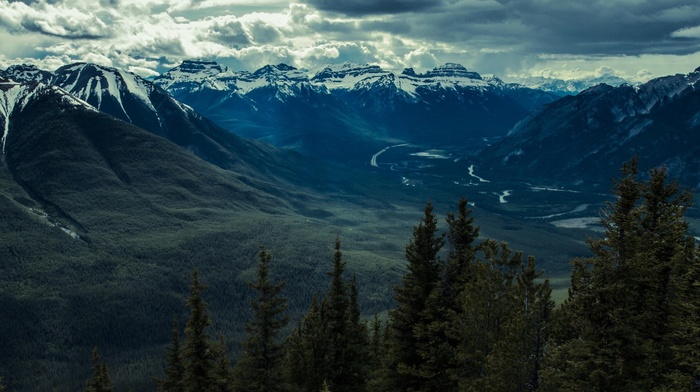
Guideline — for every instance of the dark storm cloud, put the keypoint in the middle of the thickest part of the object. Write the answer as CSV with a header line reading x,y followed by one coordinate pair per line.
x,y
368,7
597,27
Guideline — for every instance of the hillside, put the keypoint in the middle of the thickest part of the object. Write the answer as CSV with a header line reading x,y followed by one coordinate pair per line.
x,y
583,140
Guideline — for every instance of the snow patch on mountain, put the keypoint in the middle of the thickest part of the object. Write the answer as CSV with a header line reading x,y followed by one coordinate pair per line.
x,y
13,96
138,87
72,100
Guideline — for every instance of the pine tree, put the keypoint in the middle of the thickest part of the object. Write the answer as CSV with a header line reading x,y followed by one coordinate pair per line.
x,y
461,236
376,343
222,371
337,313
435,347
684,338
198,351
174,370
515,359
259,368
622,298
330,343
403,358
358,344
310,349
486,305
100,380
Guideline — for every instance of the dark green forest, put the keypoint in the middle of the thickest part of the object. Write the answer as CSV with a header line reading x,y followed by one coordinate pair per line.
x,y
470,314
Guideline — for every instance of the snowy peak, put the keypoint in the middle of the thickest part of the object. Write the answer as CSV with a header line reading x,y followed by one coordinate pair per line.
x,y
209,76
667,87
27,73
191,74
280,73
569,87
451,70
16,96
334,73
201,67
598,129
105,87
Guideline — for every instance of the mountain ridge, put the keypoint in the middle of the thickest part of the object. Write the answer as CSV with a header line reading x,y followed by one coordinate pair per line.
x,y
356,105
588,136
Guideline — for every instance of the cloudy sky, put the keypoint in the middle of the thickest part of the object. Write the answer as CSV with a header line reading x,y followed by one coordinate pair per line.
x,y
636,39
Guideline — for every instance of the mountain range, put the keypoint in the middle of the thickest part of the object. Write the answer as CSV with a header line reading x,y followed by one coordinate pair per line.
x,y
113,187
361,107
584,139
569,87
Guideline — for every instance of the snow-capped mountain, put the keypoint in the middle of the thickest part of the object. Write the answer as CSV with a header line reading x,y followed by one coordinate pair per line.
x,y
362,106
569,87
585,138
27,73
140,102
16,96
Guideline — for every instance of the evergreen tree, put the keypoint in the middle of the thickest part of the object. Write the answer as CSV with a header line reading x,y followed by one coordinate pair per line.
x,y
684,339
461,236
259,368
223,372
435,347
100,380
404,358
330,343
379,347
198,351
486,305
174,369
337,324
358,344
376,348
309,350
622,298
515,360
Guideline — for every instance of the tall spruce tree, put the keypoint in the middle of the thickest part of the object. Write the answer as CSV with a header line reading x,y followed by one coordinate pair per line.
x,y
223,372
684,338
198,351
260,367
404,359
337,324
358,343
515,358
174,368
100,380
622,298
309,348
435,347
486,304
330,343
461,236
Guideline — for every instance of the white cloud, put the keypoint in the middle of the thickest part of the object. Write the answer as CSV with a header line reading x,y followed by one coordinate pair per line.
x,y
489,36
687,32
420,58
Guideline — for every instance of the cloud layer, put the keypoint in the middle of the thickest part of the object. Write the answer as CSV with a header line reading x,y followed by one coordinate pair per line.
x,y
493,36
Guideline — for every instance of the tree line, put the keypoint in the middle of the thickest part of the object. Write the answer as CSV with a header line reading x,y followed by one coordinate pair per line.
x,y
474,315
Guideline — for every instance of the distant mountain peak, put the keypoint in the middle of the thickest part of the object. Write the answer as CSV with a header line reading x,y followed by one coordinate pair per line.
x,y
200,66
28,72
340,71
451,69
274,69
